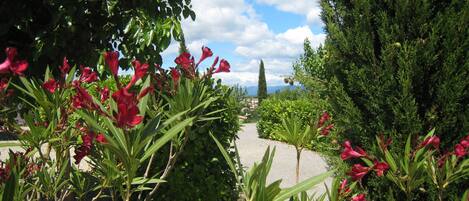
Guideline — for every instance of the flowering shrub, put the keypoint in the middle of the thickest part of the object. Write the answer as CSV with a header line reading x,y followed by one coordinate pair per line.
x,y
409,170
114,133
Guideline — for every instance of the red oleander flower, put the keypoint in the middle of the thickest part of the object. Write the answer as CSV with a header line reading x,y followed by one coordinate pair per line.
x,y
11,64
127,115
443,159
206,52
459,150
384,143
123,96
3,84
175,75
85,148
358,172
11,54
82,99
465,142
51,85
112,60
88,76
325,131
104,94
324,117
359,197
350,153
140,71
343,189
65,68
432,140
4,173
185,60
224,67
145,92
380,168
101,138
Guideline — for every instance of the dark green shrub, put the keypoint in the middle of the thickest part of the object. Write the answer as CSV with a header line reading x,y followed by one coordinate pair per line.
x,y
201,173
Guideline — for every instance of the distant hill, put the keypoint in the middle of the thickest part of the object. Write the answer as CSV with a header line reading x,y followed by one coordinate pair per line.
x,y
252,90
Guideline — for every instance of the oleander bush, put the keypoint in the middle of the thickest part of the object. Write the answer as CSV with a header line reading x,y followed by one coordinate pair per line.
x,y
91,141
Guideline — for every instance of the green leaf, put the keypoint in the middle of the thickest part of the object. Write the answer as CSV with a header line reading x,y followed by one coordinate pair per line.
x,y
302,186
226,156
170,134
141,180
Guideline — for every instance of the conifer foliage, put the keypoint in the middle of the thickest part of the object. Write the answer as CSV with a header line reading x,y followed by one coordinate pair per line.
x,y
398,67
262,86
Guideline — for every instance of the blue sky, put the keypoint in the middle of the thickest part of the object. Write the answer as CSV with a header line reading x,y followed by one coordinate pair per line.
x,y
245,31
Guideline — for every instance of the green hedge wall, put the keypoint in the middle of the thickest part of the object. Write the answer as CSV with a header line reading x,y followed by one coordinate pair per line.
x,y
273,110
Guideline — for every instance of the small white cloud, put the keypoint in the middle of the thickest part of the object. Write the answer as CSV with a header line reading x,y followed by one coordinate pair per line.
x,y
248,78
287,45
309,8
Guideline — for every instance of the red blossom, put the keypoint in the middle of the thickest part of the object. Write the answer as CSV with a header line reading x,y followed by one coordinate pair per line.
x,y
4,173
325,131
324,117
101,138
112,60
88,76
82,98
350,153
11,64
384,143
140,71
51,85
145,92
85,147
443,159
65,68
206,52
185,61
359,197
224,67
127,115
459,150
3,84
10,92
175,75
465,142
358,172
343,189
123,96
380,168
104,94
432,140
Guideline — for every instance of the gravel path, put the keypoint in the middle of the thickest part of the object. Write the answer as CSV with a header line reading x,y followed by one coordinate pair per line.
x,y
251,149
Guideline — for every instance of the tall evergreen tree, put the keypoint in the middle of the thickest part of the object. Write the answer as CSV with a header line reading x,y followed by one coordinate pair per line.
x,y
262,85
398,68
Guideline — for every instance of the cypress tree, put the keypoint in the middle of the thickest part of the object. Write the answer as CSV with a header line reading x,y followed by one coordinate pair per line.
x,y
262,85
398,68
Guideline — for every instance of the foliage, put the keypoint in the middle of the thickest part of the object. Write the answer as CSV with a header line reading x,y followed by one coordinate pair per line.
x,y
80,30
272,111
253,182
309,70
398,68
262,85
118,137
201,169
419,167
291,94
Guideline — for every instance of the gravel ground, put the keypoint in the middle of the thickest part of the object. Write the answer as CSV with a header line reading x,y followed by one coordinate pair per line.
x,y
251,149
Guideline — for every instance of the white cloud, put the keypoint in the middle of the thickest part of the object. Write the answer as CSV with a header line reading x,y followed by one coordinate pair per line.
x,y
310,8
225,20
248,78
284,45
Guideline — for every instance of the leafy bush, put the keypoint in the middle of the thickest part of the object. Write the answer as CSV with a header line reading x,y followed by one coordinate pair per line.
x,y
272,111
119,132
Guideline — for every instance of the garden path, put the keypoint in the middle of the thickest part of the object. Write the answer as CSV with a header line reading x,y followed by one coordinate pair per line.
x,y
251,149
